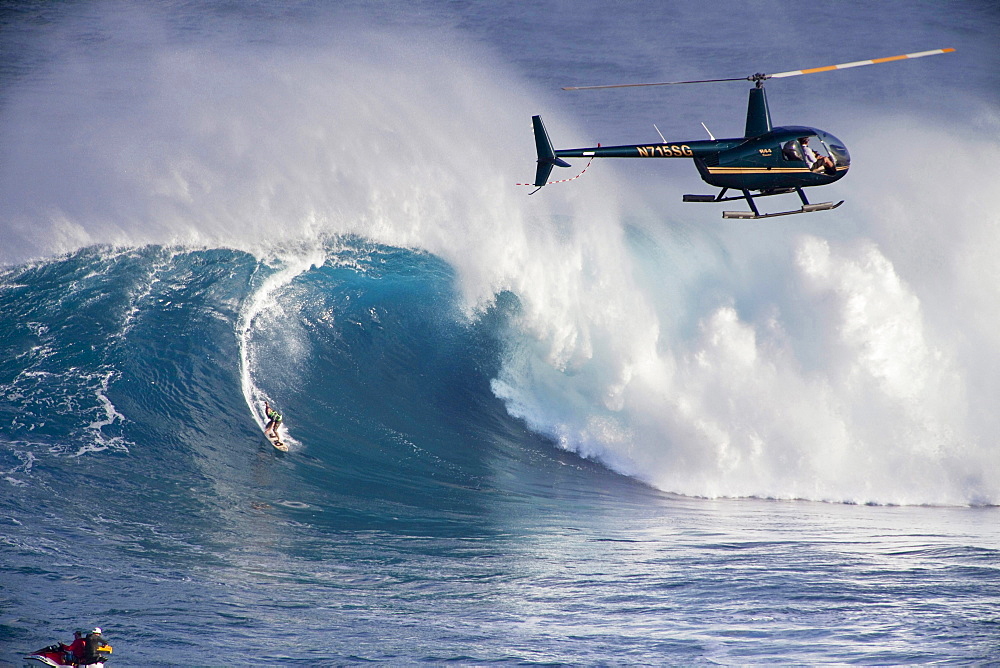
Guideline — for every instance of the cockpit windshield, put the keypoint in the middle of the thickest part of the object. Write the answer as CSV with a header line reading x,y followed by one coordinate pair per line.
x,y
818,150
836,149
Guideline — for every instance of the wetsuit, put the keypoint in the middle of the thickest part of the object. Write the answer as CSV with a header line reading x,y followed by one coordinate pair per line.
x,y
275,421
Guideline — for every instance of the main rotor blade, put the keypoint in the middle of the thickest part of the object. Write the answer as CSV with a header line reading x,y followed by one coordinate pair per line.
x,y
660,83
781,75
859,63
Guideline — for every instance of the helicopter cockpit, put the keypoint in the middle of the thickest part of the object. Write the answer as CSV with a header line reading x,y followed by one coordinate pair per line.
x,y
821,145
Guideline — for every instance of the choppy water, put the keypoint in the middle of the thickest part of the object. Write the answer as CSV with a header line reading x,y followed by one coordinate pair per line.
x,y
589,426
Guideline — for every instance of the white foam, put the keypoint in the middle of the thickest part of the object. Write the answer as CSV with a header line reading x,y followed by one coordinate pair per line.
x,y
99,440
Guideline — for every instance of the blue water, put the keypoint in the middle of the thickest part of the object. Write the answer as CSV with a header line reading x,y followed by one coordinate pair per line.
x,y
590,426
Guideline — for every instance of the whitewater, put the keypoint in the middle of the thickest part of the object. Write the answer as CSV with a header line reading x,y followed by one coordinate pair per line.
x,y
588,425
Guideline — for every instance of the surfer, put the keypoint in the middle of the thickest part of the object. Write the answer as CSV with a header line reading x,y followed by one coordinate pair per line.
x,y
274,420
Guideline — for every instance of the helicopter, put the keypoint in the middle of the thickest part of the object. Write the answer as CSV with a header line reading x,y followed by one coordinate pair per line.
x,y
768,160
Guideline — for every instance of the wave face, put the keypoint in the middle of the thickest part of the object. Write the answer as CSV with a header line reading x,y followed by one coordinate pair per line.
x,y
130,353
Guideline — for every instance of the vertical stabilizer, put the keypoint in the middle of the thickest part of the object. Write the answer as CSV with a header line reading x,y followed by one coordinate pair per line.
x,y
546,154
758,115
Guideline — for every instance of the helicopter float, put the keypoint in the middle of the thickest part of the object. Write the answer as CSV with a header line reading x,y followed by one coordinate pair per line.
x,y
768,160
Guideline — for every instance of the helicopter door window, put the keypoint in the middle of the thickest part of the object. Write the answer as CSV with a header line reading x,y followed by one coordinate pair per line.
x,y
791,150
807,149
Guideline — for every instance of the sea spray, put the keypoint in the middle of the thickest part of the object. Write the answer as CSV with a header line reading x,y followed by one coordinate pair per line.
x,y
198,142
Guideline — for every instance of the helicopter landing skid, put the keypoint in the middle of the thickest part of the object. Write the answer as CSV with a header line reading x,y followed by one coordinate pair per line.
x,y
754,213
806,208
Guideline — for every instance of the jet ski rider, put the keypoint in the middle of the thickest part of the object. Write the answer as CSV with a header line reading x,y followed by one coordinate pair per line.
x,y
93,645
78,647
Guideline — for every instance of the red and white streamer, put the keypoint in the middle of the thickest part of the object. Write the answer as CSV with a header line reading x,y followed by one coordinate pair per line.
x,y
572,178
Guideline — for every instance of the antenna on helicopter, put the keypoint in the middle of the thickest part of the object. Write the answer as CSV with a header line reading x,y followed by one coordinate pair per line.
x,y
708,131
660,133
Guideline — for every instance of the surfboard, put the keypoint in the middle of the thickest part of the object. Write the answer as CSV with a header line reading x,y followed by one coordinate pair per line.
x,y
276,442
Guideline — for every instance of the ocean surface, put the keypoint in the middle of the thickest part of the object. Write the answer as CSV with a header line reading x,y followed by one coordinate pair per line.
x,y
589,426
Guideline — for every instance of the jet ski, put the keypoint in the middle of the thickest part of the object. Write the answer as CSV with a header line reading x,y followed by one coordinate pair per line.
x,y
60,656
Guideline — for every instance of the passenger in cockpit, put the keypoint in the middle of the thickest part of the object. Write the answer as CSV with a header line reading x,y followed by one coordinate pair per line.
x,y
814,161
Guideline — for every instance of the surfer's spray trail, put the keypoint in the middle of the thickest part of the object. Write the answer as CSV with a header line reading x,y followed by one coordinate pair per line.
x,y
705,361
262,315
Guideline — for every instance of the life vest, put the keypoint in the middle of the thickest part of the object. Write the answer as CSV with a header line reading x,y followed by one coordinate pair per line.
x,y
95,650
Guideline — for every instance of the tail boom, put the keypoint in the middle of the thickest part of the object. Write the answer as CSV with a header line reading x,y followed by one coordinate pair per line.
x,y
549,157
